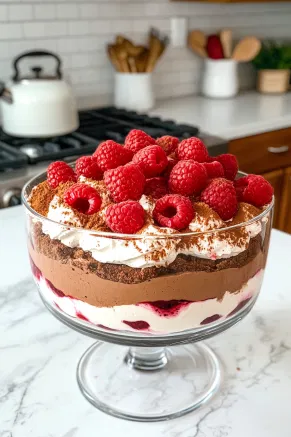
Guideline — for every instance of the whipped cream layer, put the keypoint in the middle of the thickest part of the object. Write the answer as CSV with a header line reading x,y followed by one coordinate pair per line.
x,y
145,251
142,317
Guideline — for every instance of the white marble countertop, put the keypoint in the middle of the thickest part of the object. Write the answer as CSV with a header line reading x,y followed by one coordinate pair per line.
x,y
246,114
39,396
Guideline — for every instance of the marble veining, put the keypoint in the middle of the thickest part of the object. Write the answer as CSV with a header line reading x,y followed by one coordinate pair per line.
x,y
39,396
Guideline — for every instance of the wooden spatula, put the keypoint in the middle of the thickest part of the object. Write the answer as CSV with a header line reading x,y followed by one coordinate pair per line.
x,y
247,49
197,37
198,49
226,41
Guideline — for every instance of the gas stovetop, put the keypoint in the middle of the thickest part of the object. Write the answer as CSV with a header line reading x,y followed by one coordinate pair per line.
x,y
22,158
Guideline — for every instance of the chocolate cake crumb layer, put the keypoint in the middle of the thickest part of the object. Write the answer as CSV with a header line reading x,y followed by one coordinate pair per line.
x,y
188,285
83,260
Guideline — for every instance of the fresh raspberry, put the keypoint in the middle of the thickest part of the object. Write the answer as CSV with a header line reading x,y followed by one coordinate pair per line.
x,y
156,187
214,169
137,140
254,189
168,144
173,211
229,164
83,198
110,154
152,160
211,158
171,164
220,195
125,217
192,148
87,166
188,178
125,182
240,185
59,172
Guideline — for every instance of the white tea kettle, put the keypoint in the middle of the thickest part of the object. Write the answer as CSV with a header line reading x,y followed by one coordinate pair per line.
x,y
38,106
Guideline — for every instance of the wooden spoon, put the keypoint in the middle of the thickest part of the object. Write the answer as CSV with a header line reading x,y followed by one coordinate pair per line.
x,y
226,41
113,57
199,50
247,49
122,58
196,37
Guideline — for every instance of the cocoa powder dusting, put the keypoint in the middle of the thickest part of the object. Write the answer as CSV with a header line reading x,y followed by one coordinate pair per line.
x,y
43,194
40,198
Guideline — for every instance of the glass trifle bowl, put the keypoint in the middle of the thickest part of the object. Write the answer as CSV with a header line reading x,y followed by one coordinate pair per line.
x,y
147,299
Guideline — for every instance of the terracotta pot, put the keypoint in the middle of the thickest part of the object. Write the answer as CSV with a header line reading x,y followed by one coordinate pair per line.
x,y
273,81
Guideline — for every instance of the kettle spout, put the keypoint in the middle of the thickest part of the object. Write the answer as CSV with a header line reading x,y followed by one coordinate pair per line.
x,y
5,93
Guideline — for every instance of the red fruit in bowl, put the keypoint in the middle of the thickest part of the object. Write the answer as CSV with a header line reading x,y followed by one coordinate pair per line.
x,y
83,198
152,160
192,148
59,172
220,195
254,189
87,166
125,183
214,169
168,143
173,211
171,164
110,154
137,140
125,217
156,187
229,164
188,178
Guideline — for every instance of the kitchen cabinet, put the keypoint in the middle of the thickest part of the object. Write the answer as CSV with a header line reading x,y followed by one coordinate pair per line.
x,y
276,179
269,154
232,1
285,204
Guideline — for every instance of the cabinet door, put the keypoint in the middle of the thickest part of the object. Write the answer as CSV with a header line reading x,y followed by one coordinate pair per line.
x,y
264,152
232,1
285,206
276,179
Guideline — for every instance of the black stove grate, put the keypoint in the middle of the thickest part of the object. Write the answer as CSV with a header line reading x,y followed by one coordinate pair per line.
x,y
95,126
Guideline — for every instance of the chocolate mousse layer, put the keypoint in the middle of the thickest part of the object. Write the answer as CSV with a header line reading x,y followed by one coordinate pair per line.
x,y
191,286
77,274
77,257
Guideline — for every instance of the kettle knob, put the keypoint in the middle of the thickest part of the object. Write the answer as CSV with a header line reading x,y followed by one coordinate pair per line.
x,y
37,71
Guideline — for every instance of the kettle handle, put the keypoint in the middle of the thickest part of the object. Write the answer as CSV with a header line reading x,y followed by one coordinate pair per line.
x,y
36,53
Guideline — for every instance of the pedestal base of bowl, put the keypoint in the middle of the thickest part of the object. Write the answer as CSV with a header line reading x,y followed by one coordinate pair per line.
x,y
148,384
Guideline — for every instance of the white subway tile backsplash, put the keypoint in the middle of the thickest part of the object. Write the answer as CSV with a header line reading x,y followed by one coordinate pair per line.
x,y
20,12
78,27
45,29
84,60
102,27
56,28
33,29
10,31
67,45
80,30
88,10
44,12
3,12
67,10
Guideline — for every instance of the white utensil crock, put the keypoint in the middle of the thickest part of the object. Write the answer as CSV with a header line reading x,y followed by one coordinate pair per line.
x,y
220,79
134,91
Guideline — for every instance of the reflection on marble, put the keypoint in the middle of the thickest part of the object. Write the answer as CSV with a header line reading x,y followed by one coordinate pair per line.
x,y
39,396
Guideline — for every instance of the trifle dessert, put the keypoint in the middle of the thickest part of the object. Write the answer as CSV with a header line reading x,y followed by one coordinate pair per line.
x,y
154,236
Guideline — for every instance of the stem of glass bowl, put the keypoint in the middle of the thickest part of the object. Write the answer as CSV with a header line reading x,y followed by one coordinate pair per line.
x,y
145,358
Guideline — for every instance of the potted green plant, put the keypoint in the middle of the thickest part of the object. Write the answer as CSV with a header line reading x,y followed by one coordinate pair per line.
x,y
273,64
